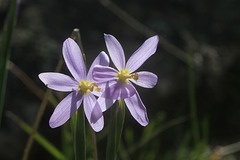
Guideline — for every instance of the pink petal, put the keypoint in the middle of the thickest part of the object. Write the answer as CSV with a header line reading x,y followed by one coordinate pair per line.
x,y
115,51
101,59
119,90
147,49
95,118
65,109
137,109
74,59
58,81
146,79
104,73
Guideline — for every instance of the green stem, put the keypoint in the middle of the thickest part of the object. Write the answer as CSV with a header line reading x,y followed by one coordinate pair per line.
x,y
79,136
5,51
115,129
192,99
94,144
67,141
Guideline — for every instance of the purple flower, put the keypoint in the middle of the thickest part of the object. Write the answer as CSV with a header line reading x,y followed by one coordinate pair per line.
x,y
120,86
81,86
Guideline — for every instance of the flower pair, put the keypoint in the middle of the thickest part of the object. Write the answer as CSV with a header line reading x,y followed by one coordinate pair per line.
x,y
102,81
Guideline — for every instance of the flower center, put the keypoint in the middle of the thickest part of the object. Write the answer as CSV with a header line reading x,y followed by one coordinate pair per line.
x,y
86,86
124,75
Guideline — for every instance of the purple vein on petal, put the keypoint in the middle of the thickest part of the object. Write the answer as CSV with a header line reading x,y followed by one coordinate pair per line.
x,y
145,79
119,90
147,49
115,51
65,109
137,109
74,59
58,81
101,59
89,102
104,73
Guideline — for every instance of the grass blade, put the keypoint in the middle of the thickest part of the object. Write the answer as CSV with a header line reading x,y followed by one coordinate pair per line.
x,y
40,139
5,49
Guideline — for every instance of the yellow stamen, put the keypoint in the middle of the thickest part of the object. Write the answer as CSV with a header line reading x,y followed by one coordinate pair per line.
x,y
86,86
124,75
135,76
97,89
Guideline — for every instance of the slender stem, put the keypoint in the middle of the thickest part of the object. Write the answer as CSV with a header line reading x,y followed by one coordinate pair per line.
x,y
115,129
67,141
5,47
39,117
94,144
77,37
120,121
111,136
79,135
192,100
3,85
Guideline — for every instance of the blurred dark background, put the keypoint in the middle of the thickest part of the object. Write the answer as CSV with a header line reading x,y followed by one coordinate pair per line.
x,y
210,30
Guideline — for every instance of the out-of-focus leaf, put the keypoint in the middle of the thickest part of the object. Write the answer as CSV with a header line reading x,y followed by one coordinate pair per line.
x,y
5,48
39,138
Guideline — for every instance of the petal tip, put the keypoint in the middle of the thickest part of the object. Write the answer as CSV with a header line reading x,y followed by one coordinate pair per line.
x,y
40,75
145,124
156,38
51,124
68,39
42,78
105,34
108,36
98,129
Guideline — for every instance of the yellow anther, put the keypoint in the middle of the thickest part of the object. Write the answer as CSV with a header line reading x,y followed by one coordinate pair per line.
x,y
94,84
97,89
124,75
135,76
86,86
